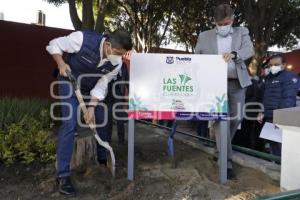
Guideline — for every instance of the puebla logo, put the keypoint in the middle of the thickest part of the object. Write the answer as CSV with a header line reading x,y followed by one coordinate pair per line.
x,y
170,60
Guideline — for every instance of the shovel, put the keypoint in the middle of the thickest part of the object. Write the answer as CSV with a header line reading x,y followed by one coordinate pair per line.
x,y
92,125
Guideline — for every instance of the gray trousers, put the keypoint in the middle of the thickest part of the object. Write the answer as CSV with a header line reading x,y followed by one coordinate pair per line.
x,y
236,101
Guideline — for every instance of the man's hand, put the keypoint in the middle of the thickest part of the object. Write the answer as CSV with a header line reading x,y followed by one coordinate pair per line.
x,y
89,117
228,56
260,117
63,67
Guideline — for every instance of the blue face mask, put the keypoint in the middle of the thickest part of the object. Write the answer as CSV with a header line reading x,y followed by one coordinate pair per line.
x,y
224,30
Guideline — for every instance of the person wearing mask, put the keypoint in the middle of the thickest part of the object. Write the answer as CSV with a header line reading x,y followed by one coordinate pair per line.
x,y
235,45
99,57
279,91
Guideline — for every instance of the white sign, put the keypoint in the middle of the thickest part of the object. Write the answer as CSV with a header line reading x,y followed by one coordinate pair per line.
x,y
165,86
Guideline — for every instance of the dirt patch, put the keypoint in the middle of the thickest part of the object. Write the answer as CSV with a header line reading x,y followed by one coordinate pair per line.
x,y
195,177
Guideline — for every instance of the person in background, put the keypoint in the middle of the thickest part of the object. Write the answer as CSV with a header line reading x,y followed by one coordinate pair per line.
x,y
235,45
279,91
121,90
248,136
203,131
116,103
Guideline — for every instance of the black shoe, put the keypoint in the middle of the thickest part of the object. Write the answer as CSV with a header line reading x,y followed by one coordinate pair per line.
x,y
65,186
231,175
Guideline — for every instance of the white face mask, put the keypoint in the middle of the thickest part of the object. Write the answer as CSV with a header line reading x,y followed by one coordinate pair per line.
x,y
114,59
274,69
224,30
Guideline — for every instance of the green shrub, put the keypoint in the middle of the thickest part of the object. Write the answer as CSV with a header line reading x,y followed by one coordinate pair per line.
x,y
26,141
13,110
25,132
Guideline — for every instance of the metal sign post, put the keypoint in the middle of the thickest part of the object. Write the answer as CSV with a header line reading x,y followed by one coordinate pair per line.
x,y
222,128
130,160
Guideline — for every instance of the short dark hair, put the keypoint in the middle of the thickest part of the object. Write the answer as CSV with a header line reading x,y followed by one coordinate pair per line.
x,y
120,39
222,11
280,55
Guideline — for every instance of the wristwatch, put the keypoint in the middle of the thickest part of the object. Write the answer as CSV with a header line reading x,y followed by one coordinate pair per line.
x,y
235,55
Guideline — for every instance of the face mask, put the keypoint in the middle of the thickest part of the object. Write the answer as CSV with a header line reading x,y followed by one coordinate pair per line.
x,y
274,69
267,71
224,30
114,59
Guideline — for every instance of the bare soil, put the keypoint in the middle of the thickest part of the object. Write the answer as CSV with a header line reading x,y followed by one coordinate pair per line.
x,y
195,177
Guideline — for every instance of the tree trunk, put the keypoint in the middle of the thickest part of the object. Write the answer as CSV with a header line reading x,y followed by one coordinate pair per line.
x,y
257,60
100,16
165,29
88,21
84,152
74,15
84,156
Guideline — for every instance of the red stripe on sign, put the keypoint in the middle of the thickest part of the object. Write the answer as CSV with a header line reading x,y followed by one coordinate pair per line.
x,y
136,114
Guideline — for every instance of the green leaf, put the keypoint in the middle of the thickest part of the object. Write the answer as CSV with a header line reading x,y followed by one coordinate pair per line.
x,y
187,79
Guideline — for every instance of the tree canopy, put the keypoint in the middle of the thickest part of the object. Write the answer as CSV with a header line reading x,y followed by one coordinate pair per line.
x,y
157,22
92,13
270,23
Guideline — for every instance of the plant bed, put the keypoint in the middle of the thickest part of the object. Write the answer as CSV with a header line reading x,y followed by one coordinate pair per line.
x,y
25,131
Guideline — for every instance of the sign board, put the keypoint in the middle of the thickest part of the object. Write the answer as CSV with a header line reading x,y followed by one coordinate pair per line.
x,y
181,86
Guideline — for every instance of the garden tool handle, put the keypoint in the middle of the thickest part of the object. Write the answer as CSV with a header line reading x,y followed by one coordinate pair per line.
x,y
78,94
92,126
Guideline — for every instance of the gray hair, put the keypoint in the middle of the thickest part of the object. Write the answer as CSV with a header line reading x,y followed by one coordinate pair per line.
x,y
222,11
